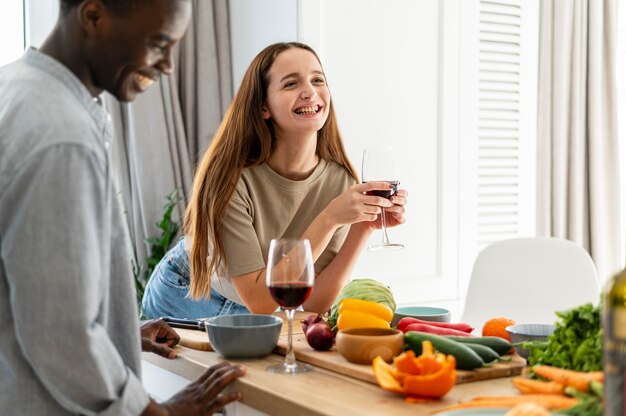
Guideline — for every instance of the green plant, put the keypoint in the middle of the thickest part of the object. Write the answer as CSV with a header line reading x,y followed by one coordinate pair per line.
x,y
158,246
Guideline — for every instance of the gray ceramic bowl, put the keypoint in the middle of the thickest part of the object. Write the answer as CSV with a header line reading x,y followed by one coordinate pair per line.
x,y
528,332
243,336
425,313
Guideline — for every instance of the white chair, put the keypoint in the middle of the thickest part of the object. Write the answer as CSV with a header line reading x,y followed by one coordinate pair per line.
x,y
528,280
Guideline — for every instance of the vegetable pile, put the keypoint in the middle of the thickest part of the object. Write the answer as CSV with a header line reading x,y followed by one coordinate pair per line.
x,y
576,343
364,289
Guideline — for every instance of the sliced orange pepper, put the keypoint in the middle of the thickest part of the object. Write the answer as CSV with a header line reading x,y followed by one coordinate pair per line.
x,y
428,361
384,376
429,376
434,385
407,363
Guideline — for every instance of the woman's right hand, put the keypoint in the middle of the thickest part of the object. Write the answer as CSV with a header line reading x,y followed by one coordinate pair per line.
x,y
354,205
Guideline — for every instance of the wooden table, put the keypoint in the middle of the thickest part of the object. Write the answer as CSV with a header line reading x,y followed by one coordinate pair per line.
x,y
320,392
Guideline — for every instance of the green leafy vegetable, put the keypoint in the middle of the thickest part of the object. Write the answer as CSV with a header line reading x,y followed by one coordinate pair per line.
x,y
576,343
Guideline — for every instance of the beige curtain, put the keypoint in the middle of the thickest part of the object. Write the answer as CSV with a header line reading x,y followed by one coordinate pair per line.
x,y
578,166
162,132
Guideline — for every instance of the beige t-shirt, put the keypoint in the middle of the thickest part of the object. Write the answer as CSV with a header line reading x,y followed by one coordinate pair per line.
x,y
266,205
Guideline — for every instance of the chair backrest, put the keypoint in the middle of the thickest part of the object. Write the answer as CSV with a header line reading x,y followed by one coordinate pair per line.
x,y
528,280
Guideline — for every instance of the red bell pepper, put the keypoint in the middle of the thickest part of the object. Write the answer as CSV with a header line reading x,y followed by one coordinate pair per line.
x,y
437,330
404,322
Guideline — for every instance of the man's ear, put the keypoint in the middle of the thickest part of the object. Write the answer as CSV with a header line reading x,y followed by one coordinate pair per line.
x,y
91,15
265,112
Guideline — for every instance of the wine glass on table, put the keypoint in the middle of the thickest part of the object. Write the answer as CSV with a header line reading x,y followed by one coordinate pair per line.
x,y
379,165
290,278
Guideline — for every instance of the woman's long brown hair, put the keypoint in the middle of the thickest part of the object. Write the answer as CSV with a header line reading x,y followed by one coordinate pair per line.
x,y
243,139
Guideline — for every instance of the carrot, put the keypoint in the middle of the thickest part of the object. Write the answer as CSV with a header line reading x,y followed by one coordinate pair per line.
x,y
577,379
549,401
529,386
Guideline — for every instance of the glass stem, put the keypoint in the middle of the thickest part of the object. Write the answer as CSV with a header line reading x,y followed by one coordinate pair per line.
x,y
384,228
290,357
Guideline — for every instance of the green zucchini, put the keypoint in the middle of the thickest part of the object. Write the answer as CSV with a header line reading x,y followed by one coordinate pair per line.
x,y
499,345
487,354
466,358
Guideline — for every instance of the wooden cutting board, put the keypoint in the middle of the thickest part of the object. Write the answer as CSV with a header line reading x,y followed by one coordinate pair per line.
x,y
193,338
333,361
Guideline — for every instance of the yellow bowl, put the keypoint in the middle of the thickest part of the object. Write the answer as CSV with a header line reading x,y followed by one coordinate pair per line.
x,y
362,345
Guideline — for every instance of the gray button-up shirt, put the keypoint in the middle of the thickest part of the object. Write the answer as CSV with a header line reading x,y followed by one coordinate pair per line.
x,y
69,334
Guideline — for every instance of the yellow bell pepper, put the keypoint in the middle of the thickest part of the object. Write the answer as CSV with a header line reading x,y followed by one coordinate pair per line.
x,y
356,319
373,308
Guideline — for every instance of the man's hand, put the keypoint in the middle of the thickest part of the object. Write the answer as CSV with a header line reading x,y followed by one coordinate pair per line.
x,y
204,396
158,337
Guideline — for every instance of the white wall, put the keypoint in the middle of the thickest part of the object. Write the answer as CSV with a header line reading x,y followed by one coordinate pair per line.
x,y
256,24
621,108
41,15
11,31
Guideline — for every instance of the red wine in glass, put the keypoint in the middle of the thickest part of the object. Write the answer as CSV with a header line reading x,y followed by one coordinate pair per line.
x,y
290,276
385,194
290,295
379,165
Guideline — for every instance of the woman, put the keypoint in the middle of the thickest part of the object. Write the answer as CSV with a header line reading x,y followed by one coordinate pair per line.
x,y
276,168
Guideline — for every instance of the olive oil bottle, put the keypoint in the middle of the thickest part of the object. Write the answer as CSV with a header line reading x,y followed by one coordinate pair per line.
x,y
614,365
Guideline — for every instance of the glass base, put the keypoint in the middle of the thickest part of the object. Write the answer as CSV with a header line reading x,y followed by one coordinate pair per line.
x,y
386,247
284,368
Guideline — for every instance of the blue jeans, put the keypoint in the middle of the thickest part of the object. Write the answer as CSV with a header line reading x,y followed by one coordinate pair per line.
x,y
167,289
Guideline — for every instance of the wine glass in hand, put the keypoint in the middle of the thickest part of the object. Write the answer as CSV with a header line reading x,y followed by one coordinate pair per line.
x,y
379,165
290,278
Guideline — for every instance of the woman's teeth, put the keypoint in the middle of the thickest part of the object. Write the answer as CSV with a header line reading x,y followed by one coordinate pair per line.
x,y
308,110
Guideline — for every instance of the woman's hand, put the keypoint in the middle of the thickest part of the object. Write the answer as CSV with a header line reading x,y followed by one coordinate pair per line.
x,y
158,337
395,214
354,205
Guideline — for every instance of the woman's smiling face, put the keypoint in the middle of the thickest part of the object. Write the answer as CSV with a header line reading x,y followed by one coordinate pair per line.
x,y
298,99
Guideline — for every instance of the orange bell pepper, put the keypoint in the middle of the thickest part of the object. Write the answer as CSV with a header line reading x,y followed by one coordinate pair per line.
x,y
429,376
434,385
406,363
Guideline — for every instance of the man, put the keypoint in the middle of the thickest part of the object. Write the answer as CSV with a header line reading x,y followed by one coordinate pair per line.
x,y
69,340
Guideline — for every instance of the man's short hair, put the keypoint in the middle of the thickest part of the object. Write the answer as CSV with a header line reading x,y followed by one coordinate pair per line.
x,y
116,5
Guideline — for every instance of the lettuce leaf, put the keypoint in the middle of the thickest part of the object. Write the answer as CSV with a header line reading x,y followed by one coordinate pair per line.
x,y
576,343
